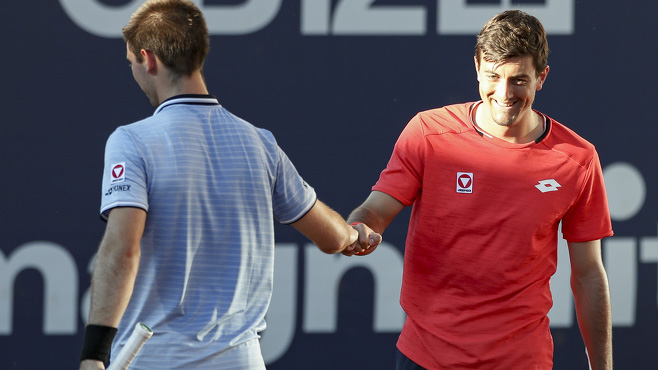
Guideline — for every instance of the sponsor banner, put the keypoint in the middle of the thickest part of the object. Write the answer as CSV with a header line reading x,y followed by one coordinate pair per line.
x,y
335,81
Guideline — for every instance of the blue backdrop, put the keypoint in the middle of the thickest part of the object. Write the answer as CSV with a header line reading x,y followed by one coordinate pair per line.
x,y
336,81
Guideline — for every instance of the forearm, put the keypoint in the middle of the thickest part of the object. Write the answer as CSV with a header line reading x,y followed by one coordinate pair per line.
x,y
370,217
112,284
335,234
326,228
592,300
116,264
367,216
378,210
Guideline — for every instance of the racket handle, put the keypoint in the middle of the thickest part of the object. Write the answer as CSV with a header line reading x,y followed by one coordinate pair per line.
x,y
139,336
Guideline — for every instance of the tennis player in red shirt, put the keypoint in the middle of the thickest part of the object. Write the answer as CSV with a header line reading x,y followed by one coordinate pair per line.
x,y
490,182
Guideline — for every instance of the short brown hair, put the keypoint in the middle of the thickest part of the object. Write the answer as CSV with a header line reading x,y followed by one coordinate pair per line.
x,y
510,34
174,30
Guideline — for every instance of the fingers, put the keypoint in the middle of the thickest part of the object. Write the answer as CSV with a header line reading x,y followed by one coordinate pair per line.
x,y
354,236
375,239
350,250
367,241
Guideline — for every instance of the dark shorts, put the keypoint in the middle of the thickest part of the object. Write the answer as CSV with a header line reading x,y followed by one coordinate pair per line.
x,y
403,362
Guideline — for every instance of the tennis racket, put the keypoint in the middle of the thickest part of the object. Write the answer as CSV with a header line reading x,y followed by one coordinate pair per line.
x,y
139,336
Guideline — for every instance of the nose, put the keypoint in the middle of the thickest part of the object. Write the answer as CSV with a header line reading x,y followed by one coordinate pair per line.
x,y
504,90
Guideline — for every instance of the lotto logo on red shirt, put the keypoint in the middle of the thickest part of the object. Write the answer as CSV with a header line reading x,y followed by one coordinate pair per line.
x,y
117,172
465,182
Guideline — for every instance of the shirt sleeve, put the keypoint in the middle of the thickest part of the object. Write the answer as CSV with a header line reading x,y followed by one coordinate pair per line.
x,y
403,176
124,174
292,197
589,217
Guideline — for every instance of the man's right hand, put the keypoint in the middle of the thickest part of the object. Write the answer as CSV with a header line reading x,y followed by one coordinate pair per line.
x,y
366,243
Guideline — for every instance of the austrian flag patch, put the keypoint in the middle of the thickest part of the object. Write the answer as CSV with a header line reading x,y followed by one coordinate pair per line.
x,y
118,172
465,182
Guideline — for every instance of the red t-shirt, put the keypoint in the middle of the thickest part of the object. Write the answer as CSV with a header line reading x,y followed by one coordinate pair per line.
x,y
482,239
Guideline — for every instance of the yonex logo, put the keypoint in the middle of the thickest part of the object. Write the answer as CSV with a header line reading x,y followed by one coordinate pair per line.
x,y
465,182
117,188
118,172
548,185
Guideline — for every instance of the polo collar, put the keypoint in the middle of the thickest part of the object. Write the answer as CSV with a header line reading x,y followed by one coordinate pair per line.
x,y
190,99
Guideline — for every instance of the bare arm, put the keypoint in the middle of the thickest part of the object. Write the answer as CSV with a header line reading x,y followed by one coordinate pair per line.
x,y
376,213
589,283
115,269
326,228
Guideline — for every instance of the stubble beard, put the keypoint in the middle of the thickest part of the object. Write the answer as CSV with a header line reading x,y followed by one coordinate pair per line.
x,y
505,120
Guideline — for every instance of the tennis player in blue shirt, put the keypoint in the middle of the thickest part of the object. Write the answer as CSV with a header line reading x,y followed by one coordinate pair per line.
x,y
190,196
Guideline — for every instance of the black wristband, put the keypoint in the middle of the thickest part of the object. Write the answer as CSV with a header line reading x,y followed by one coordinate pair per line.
x,y
97,343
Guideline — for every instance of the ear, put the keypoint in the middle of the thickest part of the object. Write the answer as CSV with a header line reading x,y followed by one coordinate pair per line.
x,y
150,60
477,67
541,79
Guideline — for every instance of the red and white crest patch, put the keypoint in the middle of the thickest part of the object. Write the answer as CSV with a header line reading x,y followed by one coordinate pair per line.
x,y
118,172
465,182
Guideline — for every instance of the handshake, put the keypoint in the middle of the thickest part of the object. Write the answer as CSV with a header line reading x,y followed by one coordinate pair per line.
x,y
364,243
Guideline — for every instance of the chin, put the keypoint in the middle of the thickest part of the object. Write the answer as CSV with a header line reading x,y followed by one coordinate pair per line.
x,y
506,121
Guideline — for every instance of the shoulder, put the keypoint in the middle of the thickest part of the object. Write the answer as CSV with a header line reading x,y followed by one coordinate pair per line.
x,y
241,127
131,132
448,119
567,142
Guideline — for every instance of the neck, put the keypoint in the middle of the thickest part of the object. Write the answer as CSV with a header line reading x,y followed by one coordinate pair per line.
x,y
521,132
184,85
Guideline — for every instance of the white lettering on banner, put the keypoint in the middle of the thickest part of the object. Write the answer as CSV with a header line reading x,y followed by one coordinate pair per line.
x,y
348,18
85,304
620,256
361,17
107,21
627,184
457,17
97,18
322,279
626,190
620,259
241,19
322,275
649,251
60,285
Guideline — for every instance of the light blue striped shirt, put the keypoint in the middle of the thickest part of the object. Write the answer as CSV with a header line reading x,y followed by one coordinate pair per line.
x,y
212,185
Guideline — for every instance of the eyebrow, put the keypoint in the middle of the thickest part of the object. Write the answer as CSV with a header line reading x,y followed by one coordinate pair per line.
x,y
492,72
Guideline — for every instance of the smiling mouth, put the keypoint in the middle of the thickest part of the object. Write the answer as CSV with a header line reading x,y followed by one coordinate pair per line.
x,y
504,104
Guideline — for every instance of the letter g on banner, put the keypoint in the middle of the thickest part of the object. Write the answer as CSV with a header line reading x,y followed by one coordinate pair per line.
x,y
107,21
